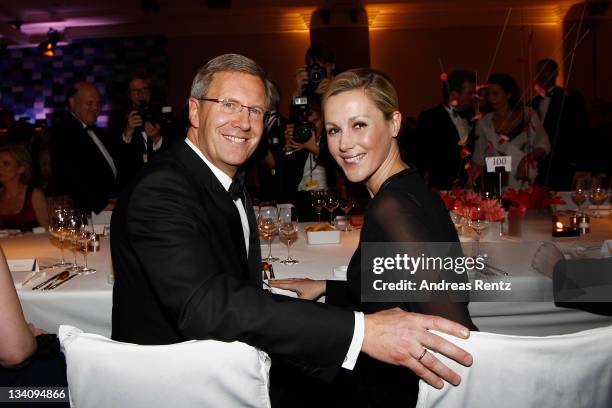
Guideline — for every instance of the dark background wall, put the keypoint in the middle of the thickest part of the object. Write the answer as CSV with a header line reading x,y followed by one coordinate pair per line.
x,y
35,86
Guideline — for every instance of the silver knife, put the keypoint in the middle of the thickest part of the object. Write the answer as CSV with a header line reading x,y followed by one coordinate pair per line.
x,y
55,285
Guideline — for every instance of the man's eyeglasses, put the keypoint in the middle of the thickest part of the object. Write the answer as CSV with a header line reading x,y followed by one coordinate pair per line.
x,y
231,107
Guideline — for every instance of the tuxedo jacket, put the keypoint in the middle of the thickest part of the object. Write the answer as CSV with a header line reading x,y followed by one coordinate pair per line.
x,y
132,156
439,155
79,167
566,131
182,272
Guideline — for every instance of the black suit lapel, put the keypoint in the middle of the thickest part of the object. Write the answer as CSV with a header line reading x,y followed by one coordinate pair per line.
x,y
204,179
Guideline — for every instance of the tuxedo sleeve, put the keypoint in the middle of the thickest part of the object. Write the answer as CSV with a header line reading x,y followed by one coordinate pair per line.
x,y
173,239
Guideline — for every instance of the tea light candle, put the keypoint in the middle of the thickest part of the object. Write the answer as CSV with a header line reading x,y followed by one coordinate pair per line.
x,y
560,230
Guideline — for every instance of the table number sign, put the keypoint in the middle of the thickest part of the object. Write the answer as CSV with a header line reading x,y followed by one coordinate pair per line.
x,y
495,162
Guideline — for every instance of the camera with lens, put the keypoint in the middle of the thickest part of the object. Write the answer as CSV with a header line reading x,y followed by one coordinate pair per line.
x,y
316,74
298,116
146,113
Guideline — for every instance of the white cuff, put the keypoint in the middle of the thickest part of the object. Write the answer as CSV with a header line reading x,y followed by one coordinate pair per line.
x,y
355,348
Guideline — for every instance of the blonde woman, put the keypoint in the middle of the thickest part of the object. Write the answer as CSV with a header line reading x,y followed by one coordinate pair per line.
x,y
362,120
21,205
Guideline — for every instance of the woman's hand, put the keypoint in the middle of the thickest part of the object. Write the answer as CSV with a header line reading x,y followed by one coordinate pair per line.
x,y
305,288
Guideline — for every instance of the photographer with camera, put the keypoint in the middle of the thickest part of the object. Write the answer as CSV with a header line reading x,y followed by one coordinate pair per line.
x,y
314,78
306,164
142,127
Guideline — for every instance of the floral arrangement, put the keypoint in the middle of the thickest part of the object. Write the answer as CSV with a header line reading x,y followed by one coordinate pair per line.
x,y
531,197
471,205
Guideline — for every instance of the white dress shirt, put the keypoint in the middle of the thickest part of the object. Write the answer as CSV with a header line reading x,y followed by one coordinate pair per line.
x,y
545,104
156,145
359,331
462,125
100,146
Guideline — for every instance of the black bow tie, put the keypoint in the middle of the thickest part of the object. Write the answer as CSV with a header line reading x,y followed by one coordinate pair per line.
x,y
236,189
88,128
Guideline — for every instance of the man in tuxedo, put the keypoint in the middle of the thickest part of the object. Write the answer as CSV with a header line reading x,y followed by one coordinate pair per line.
x,y
564,116
444,130
82,155
187,260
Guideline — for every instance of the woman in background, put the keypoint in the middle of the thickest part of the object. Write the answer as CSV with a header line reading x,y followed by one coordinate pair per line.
x,y
510,130
21,205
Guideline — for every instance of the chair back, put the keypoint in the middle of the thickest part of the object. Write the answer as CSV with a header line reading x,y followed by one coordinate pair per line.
x,y
565,371
206,373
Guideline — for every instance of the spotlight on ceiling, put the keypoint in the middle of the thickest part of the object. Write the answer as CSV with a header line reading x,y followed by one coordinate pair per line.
x,y
47,47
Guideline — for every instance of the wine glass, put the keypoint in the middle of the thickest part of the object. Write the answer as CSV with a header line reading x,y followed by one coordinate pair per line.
x,y
268,228
288,227
346,206
479,225
74,223
86,242
318,201
599,193
331,203
458,221
580,191
57,230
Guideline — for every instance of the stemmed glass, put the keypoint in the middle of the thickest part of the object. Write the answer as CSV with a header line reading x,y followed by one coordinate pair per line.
x,y
57,230
598,195
268,228
346,206
288,227
331,203
318,201
580,191
479,225
74,223
458,221
86,243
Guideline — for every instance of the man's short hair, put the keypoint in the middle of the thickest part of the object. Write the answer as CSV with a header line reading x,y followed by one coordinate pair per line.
x,y
549,62
455,82
320,53
275,95
228,63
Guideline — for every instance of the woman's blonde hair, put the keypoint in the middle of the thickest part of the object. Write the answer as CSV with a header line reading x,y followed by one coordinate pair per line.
x,y
22,158
376,84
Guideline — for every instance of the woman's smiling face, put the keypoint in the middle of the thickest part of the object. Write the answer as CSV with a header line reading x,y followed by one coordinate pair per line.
x,y
358,135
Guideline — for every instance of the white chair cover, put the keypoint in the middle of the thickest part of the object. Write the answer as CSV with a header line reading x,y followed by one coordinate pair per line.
x,y
105,373
566,371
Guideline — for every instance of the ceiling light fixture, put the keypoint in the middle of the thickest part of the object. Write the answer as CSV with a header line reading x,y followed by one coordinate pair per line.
x,y
47,47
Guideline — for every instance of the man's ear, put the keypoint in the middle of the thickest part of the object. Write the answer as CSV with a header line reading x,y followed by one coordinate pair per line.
x,y
71,103
194,106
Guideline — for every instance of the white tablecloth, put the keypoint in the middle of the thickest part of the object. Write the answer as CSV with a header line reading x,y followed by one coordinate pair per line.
x,y
86,301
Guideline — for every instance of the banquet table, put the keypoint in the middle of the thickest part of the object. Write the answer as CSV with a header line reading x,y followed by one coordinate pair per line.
x,y
86,301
